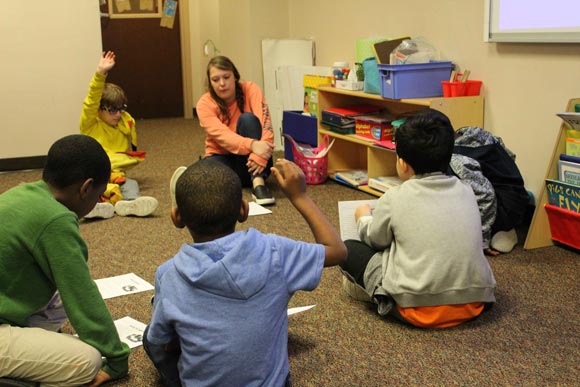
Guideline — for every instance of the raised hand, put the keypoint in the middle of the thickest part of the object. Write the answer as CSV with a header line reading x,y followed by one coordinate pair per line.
x,y
106,62
290,178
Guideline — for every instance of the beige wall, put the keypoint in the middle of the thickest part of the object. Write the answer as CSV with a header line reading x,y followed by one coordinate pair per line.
x,y
49,51
237,28
45,69
524,84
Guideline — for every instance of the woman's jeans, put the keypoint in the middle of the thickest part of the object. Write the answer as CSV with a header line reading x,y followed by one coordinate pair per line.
x,y
248,126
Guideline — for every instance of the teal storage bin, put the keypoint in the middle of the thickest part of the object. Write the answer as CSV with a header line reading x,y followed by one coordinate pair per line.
x,y
372,82
418,80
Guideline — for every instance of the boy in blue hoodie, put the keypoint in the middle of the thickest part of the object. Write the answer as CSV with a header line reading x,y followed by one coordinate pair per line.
x,y
220,310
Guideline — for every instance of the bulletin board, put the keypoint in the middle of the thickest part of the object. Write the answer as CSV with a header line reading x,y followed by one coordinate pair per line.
x,y
125,9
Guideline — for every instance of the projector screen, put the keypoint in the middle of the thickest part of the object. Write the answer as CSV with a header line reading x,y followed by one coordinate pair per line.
x,y
532,21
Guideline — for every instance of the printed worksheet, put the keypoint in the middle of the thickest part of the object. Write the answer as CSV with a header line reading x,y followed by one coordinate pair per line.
x,y
122,285
130,331
256,209
346,217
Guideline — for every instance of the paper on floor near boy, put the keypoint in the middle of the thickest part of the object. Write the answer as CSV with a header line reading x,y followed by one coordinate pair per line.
x,y
256,209
299,309
346,217
122,285
130,331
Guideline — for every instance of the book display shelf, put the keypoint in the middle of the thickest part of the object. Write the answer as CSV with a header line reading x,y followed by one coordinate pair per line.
x,y
539,233
356,152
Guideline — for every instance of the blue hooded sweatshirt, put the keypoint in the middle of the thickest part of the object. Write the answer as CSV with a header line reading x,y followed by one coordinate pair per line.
x,y
226,301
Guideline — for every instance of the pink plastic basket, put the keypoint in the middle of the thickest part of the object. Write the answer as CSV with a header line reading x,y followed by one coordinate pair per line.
x,y
315,168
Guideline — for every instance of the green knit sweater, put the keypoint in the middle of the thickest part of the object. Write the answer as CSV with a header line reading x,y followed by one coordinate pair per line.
x,y
41,251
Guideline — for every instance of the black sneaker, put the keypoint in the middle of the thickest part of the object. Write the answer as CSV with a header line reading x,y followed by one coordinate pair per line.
x,y
263,196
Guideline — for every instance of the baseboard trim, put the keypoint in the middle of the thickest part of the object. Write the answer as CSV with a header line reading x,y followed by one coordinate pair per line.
x,y
22,163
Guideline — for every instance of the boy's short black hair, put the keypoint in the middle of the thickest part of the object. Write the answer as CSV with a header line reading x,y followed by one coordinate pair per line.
x,y
76,158
209,196
425,141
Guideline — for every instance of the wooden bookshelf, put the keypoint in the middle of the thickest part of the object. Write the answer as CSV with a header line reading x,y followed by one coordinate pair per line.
x,y
355,152
539,234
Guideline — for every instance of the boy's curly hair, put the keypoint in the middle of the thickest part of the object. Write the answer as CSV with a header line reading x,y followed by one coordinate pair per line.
x,y
76,158
209,197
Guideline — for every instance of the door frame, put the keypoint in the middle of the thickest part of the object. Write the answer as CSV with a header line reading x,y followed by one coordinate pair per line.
x,y
185,37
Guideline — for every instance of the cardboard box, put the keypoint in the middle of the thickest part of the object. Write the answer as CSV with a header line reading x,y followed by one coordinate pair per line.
x,y
302,128
375,127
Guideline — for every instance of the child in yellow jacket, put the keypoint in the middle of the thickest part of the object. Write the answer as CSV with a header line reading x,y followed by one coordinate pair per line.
x,y
104,117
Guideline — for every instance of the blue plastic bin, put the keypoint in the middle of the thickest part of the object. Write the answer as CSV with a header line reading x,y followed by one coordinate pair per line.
x,y
414,80
302,128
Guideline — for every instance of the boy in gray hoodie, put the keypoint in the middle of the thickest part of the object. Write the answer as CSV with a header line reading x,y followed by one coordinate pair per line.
x,y
420,254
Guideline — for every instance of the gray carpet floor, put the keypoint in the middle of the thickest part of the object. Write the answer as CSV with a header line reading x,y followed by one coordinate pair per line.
x,y
530,338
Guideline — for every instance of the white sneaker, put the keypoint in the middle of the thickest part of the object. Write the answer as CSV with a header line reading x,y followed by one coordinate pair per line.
x,y
142,206
504,241
355,290
102,210
178,172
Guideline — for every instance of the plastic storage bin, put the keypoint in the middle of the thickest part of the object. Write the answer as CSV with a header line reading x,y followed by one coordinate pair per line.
x,y
315,168
461,89
302,128
564,225
414,80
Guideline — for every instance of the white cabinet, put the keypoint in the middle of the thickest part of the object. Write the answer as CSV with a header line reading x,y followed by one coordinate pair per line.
x,y
277,54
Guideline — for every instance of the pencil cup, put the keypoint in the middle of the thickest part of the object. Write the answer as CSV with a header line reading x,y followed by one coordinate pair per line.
x,y
461,89
473,88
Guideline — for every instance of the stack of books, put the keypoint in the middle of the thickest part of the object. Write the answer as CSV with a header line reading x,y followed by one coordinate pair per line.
x,y
352,178
342,119
565,192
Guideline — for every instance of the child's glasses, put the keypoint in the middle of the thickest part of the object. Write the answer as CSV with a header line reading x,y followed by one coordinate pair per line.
x,y
114,110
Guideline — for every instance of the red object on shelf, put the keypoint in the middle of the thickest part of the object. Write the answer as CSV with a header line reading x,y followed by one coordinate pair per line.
x,y
564,225
461,89
315,168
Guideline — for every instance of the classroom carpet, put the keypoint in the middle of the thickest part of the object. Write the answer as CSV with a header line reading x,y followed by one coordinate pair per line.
x,y
531,337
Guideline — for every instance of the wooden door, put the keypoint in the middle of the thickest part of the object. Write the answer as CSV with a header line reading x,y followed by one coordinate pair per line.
x,y
148,64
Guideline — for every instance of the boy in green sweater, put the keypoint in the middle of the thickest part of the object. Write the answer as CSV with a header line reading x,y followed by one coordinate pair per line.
x,y
43,271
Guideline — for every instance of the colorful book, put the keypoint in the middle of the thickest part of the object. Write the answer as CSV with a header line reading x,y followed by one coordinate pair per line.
x,y
563,195
572,159
344,116
354,177
573,146
389,144
569,172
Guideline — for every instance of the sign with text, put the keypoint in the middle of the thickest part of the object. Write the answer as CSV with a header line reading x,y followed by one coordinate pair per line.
x,y
563,195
